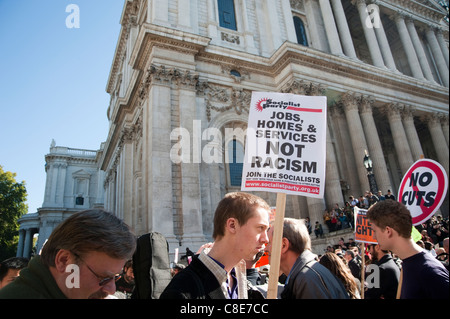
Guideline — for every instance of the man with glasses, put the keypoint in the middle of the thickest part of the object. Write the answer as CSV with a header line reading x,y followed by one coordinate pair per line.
x,y
80,260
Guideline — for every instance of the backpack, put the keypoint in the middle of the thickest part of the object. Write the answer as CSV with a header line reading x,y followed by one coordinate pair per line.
x,y
151,266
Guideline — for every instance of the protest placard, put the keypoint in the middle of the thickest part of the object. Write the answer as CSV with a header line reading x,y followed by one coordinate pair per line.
x,y
423,189
363,231
285,152
286,144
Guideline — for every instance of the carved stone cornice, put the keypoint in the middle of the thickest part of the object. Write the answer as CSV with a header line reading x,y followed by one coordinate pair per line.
x,y
424,13
297,5
299,87
302,87
222,99
159,74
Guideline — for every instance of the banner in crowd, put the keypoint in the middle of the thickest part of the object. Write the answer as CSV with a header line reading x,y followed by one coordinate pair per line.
x,y
285,148
363,231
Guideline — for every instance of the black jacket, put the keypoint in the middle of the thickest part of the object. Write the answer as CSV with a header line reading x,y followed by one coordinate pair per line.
x,y
196,281
308,279
386,287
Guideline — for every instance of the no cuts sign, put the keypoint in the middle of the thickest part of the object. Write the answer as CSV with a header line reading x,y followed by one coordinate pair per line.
x,y
423,189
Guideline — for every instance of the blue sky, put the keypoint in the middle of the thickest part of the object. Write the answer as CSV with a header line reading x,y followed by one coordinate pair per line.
x,y
52,82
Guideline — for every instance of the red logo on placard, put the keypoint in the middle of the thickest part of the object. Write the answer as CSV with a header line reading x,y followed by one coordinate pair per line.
x,y
259,105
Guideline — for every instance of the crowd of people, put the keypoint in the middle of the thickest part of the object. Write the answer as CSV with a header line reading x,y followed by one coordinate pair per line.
x,y
101,245
337,218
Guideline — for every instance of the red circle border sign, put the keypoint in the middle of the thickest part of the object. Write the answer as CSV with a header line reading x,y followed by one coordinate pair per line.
x,y
441,190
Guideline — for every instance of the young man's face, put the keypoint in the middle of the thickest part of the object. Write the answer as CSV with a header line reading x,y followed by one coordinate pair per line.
x,y
252,236
381,236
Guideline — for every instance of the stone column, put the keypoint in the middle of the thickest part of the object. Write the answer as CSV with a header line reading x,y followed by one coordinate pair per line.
x,y
287,17
190,171
126,172
384,45
357,137
316,207
411,132
374,145
445,129
399,136
159,12
250,36
274,24
442,44
371,39
330,27
438,56
333,192
439,142
157,165
54,167
212,23
419,50
344,31
408,46
346,150
316,42
59,196
21,243
184,14
28,243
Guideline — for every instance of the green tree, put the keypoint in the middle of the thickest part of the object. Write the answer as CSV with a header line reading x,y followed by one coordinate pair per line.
x,y
12,206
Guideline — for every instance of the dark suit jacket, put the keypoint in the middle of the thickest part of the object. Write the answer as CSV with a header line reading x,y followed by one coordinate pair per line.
x,y
196,281
388,281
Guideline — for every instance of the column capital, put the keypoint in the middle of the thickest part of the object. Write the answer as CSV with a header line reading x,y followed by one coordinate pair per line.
x,y
409,19
434,118
408,112
297,87
399,16
349,101
439,30
337,110
358,2
316,89
431,27
393,110
366,104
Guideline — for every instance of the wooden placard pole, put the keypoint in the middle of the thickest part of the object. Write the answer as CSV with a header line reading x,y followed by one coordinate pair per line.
x,y
399,287
275,254
363,268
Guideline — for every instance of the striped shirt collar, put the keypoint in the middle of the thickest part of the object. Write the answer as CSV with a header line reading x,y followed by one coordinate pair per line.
x,y
221,275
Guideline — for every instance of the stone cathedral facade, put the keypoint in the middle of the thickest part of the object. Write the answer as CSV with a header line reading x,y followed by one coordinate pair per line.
x,y
184,67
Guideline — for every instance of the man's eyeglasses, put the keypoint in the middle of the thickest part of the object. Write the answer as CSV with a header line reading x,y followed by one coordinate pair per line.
x,y
102,280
